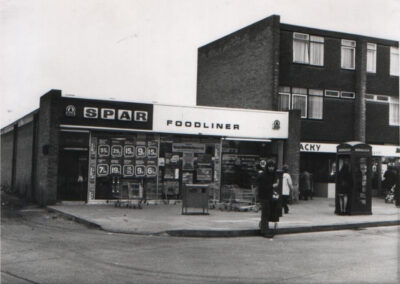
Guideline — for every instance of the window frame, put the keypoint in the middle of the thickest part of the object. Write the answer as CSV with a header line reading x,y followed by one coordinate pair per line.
x,y
394,50
330,96
308,40
289,100
308,103
375,49
348,98
376,98
351,45
314,39
392,102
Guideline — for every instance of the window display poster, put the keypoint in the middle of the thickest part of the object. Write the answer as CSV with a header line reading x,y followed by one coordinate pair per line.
x,y
125,156
187,178
204,174
188,161
169,173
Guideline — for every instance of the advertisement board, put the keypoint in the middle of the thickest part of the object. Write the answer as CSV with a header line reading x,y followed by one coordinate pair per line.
x,y
220,122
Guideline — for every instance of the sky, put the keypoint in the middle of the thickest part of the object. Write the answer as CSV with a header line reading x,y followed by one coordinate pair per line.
x,y
144,50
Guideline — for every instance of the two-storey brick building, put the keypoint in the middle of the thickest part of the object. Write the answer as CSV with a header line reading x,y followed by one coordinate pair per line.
x,y
346,87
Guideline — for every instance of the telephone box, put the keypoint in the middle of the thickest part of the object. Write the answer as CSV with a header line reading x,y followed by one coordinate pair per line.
x,y
353,179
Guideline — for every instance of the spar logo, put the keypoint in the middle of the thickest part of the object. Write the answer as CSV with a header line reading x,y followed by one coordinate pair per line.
x,y
112,114
70,111
276,125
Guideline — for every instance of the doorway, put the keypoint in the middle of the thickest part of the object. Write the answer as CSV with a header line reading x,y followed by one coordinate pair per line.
x,y
73,175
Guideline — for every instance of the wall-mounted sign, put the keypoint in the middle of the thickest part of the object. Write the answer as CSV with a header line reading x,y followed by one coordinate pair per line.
x,y
88,113
317,147
189,147
377,150
220,122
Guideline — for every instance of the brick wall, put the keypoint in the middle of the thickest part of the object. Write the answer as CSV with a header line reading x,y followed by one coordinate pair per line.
x,y
47,149
337,124
23,159
292,147
377,125
242,69
7,142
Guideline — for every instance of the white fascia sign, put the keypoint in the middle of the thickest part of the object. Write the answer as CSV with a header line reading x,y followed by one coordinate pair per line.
x,y
377,150
223,122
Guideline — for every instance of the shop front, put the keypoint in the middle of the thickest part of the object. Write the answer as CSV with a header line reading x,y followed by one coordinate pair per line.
x,y
115,150
319,159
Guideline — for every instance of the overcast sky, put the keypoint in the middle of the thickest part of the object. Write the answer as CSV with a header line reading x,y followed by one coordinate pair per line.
x,y
144,50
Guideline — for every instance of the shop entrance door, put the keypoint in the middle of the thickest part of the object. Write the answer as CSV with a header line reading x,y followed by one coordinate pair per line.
x,y
73,173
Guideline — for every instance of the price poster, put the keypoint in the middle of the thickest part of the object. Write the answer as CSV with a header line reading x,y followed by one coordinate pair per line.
x,y
128,169
127,157
103,149
103,168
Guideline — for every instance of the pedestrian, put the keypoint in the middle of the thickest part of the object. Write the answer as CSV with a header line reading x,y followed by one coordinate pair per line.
x,y
343,186
305,180
287,188
267,183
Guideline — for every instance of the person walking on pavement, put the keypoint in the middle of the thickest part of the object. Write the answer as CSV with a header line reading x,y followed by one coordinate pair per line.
x,y
267,181
287,188
305,179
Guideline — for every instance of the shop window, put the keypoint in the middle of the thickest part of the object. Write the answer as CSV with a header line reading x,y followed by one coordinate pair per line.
x,y
348,54
331,93
377,98
299,100
394,61
394,114
308,49
315,104
371,57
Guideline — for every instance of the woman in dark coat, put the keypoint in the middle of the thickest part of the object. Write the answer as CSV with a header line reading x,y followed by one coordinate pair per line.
x,y
267,181
344,186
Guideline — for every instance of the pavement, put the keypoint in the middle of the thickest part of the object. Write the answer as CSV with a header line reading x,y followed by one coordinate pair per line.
x,y
166,219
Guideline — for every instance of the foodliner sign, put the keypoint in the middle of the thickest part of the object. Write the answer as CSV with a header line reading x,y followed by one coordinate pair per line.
x,y
241,123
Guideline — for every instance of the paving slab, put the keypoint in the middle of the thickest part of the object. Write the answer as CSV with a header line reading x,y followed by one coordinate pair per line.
x,y
304,216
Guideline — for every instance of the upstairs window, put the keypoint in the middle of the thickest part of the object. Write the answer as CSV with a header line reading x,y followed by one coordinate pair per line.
x,y
284,98
348,51
299,100
394,114
347,95
317,50
332,93
371,57
315,104
300,48
394,61
308,49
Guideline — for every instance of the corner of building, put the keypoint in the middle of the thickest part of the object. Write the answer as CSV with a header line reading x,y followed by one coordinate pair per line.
x,y
242,68
46,178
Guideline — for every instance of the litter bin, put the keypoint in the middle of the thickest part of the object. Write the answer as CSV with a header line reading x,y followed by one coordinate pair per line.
x,y
195,196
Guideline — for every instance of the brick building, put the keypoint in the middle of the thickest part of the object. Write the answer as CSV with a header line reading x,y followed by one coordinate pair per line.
x,y
346,87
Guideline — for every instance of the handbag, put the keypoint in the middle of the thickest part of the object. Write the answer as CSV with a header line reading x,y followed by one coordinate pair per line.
x,y
275,195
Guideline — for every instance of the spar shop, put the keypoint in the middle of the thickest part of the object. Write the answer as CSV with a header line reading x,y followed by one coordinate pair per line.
x,y
79,149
